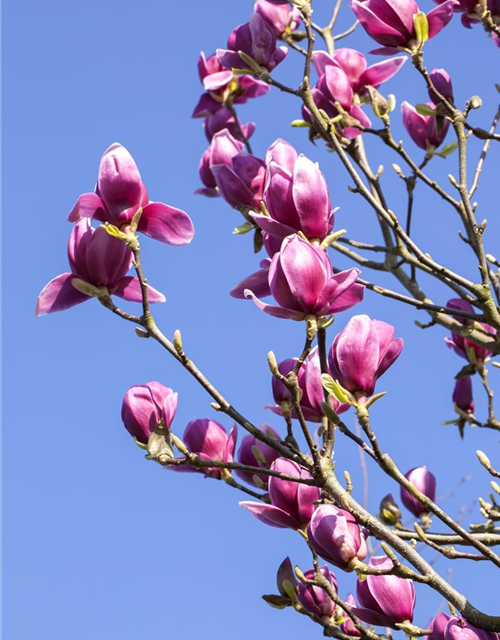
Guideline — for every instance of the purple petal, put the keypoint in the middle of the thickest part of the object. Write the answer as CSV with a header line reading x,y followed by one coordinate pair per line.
x,y
108,258
321,60
339,86
273,228
379,30
58,295
166,224
216,81
283,154
129,288
231,187
310,195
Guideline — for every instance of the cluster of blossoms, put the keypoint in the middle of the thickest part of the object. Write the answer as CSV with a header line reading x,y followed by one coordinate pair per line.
x,y
284,197
100,260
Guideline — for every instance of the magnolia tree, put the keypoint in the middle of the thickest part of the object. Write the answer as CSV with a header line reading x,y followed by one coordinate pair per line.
x,y
284,201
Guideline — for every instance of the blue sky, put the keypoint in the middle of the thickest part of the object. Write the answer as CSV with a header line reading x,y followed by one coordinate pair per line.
x,y
98,543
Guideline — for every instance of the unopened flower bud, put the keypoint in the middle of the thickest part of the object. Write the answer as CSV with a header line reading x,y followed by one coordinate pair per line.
x,y
389,511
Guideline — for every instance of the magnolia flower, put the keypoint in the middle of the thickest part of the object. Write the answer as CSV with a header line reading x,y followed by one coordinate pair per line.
x,y
144,406
99,263
425,482
301,281
119,195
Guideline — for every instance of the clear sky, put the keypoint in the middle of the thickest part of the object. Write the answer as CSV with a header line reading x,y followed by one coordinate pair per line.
x,y
98,543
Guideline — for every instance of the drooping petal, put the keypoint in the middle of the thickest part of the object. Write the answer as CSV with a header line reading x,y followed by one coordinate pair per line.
x,y
58,295
272,310
270,515
166,224
129,288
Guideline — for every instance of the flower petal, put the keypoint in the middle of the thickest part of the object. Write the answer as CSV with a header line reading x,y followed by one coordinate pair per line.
x,y
88,205
439,17
276,312
166,224
58,295
272,516
378,73
129,288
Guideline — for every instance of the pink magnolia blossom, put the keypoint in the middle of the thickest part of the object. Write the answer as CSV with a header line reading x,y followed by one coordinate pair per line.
x,y
120,193
384,600
246,455
354,65
361,353
426,131
301,281
280,16
296,200
96,259
464,347
291,502
391,22
425,482
309,380
221,84
144,405
335,535
315,599
348,626
257,40
208,440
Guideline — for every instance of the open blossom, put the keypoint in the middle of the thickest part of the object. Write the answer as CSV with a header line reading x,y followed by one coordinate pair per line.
x,y
354,65
144,405
464,347
246,455
99,263
315,599
208,440
296,200
280,16
120,193
309,380
292,503
335,535
391,23
384,600
361,353
471,11
257,40
335,87
301,281
426,131
425,482
221,84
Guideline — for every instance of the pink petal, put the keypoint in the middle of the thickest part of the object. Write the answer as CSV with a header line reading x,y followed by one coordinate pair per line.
x,y
88,205
216,81
129,288
378,73
439,17
276,312
58,295
119,181
257,282
272,516
166,224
